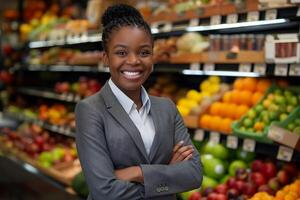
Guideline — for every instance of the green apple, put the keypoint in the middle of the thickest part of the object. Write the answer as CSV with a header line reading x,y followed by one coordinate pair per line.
x,y
214,168
208,182
206,157
237,164
186,195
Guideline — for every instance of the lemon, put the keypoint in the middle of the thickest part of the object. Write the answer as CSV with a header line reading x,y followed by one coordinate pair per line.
x,y
214,79
184,111
194,95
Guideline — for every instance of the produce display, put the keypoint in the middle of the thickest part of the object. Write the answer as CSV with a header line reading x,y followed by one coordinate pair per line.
x,y
293,124
234,104
196,102
276,105
64,56
84,87
238,175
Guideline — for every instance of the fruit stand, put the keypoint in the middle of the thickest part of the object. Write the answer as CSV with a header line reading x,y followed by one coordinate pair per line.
x,y
231,67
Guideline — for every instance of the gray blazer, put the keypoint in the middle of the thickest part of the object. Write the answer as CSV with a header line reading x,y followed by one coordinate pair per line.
x,y
107,139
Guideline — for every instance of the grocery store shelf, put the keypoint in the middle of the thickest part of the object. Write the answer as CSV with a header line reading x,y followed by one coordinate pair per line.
x,y
272,150
66,97
264,20
69,40
63,130
233,69
64,68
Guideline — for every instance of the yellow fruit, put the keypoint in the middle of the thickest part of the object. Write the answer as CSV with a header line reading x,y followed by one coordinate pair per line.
x,y
184,111
205,85
194,95
214,79
187,103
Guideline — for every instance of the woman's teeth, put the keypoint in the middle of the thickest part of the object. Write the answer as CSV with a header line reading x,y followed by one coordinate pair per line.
x,y
132,75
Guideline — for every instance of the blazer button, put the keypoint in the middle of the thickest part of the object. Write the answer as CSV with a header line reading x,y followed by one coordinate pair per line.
x,y
158,190
166,188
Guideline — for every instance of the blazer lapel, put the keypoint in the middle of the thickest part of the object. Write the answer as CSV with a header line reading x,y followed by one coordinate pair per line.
x,y
154,112
116,110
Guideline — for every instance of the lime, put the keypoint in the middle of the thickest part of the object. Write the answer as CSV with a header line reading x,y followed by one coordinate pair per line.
x,y
297,121
297,130
278,91
251,114
247,122
291,126
283,116
259,108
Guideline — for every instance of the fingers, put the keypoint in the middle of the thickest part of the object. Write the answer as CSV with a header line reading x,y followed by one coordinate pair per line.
x,y
177,146
188,157
182,152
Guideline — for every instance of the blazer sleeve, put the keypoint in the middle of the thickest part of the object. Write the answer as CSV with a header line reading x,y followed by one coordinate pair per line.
x,y
94,157
170,179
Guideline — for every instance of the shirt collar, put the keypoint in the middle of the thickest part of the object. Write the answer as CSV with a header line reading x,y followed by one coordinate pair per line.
x,y
126,102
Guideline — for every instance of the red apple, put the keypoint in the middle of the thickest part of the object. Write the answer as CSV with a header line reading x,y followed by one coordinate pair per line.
x,y
241,174
207,191
291,169
273,183
195,196
257,165
269,170
249,189
283,177
212,196
258,178
239,185
231,182
39,140
221,197
221,189
265,188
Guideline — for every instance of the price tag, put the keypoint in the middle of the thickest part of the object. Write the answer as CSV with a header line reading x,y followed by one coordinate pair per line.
x,y
249,145
281,69
215,20
199,135
271,14
167,27
245,68
63,96
232,142
154,25
260,69
68,131
70,97
195,66
194,22
55,128
294,70
253,16
232,18
214,137
275,133
209,67
61,129
77,98
285,153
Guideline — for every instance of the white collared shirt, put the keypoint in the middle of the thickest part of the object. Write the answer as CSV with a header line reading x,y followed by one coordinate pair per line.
x,y
142,118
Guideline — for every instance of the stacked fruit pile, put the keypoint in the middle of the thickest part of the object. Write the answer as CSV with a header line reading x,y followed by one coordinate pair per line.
x,y
294,124
166,86
163,48
289,192
196,102
57,114
57,55
84,87
33,140
246,93
276,106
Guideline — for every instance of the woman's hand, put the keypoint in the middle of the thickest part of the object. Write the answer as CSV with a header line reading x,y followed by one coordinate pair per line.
x,y
181,153
132,174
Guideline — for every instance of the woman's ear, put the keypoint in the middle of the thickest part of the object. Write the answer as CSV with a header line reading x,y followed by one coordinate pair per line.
x,y
105,59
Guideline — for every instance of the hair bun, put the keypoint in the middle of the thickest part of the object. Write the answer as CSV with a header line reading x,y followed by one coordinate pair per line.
x,y
119,11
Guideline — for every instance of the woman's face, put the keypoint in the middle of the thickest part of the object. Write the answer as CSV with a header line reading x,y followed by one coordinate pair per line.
x,y
129,57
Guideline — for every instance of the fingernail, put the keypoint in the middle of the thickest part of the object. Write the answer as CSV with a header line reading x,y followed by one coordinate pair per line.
x,y
181,142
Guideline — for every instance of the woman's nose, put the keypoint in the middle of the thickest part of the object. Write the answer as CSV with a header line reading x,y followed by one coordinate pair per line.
x,y
133,59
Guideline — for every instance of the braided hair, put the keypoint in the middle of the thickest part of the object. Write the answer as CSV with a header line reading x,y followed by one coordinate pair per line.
x,y
118,16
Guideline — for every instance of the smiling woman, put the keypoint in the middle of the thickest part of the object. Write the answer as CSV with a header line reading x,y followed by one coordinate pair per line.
x,y
131,145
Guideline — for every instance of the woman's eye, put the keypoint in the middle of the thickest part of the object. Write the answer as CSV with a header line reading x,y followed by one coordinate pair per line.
x,y
145,53
121,53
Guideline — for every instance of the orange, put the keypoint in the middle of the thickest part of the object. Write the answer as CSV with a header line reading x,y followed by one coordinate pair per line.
x,y
223,110
205,121
215,108
227,97
245,97
235,96
215,123
259,126
263,85
226,125
240,111
238,84
256,97
249,84
231,110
